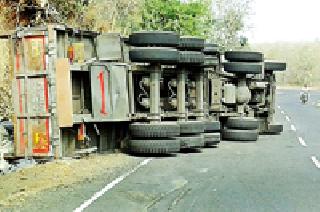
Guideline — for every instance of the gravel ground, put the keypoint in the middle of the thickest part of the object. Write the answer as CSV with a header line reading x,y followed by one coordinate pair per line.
x,y
31,188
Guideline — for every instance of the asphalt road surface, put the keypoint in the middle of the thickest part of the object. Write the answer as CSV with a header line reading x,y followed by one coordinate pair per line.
x,y
278,173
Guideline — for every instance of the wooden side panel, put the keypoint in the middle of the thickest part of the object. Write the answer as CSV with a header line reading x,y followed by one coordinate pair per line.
x,y
64,94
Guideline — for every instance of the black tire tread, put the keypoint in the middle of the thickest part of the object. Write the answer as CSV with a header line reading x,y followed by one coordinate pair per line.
x,y
154,38
211,138
191,127
240,135
191,57
191,43
211,49
154,130
154,55
243,56
273,129
275,66
242,123
212,126
243,68
155,146
191,141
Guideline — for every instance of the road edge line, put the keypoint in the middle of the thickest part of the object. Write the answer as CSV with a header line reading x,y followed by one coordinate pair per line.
x,y
100,193
315,161
302,142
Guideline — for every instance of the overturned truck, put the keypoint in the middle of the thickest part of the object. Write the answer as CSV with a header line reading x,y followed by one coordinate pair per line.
x,y
153,92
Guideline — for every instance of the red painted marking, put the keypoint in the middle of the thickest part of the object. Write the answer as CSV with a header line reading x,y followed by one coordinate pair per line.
x,y
82,129
103,97
17,62
21,128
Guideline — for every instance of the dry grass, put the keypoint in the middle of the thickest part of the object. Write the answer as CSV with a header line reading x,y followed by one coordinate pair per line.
x,y
16,187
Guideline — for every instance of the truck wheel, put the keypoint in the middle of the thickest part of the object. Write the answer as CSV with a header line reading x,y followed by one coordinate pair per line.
x,y
191,141
165,146
191,127
154,55
240,135
242,123
211,49
243,56
274,129
243,68
191,43
211,139
154,38
275,66
210,61
154,130
191,57
212,126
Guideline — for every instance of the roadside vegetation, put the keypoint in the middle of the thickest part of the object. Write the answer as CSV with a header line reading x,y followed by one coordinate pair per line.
x,y
222,21
302,61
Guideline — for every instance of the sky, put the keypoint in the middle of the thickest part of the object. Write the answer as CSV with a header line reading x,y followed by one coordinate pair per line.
x,y
285,20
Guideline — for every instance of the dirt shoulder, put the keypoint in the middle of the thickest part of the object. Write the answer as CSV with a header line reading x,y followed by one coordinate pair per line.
x,y
16,188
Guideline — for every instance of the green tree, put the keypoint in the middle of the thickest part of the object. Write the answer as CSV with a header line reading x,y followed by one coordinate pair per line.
x,y
230,22
186,17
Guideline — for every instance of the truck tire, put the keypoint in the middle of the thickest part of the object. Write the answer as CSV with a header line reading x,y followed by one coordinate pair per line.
x,y
275,66
154,130
243,56
191,43
154,38
243,68
242,123
210,61
212,126
191,127
211,139
191,57
154,55
211,49
191,141
165,146
274,129
240,135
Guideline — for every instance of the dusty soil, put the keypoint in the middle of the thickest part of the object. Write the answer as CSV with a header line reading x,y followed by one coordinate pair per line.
x,y
16,188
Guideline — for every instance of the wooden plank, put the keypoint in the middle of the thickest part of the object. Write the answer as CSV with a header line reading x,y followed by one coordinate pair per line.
x,y
64,94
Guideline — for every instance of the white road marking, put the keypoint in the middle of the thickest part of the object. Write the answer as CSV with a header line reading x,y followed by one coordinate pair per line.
x,y
204,170
302,142
287,117
293,128
315,161
98,194
282,112
279,107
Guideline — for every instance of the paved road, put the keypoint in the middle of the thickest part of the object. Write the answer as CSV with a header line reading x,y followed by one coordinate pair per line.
x,y
275,174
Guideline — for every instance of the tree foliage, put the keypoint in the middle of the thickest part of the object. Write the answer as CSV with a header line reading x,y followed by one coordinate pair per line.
x,y
302,61
230,22
187,17
220,21
109,15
